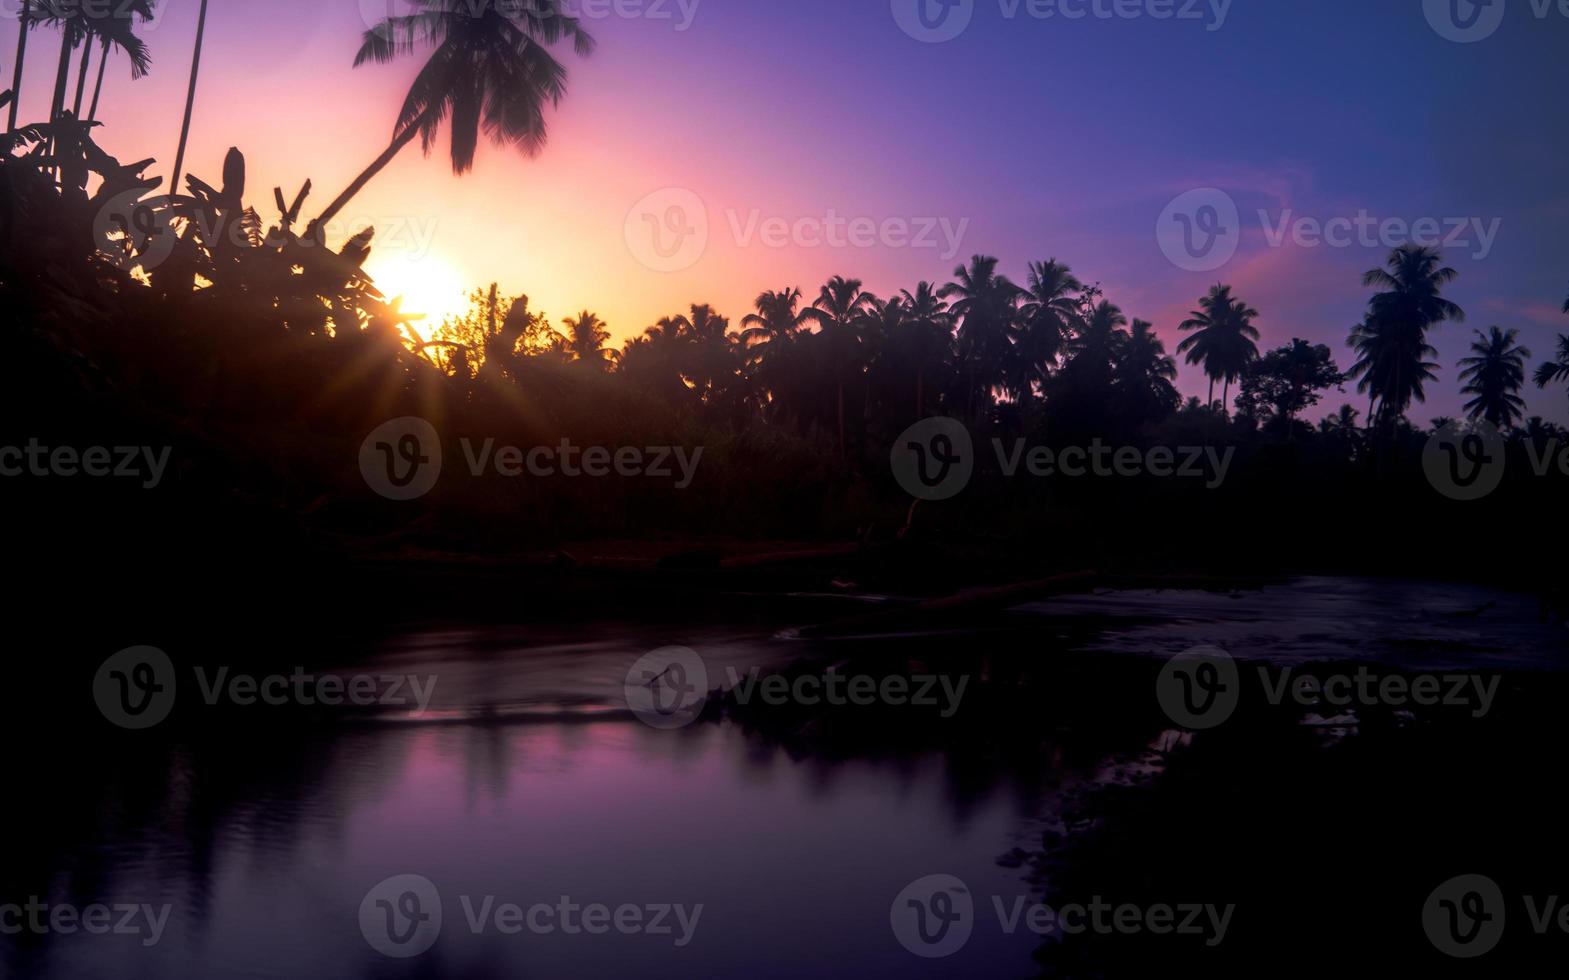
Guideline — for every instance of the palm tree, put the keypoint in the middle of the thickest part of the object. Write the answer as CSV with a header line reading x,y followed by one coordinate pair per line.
x,y
1145,374
1495,375
768,342
586,337
1047,319
986,304
190,98
1392,341
491,68
838,312
707,350
1558,368
23,28
1225,339
927,337
115,36
1392,367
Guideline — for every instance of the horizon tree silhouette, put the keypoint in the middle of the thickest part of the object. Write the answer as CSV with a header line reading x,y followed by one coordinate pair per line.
x,y
985,304
1224,341
927,337
1391,342
489,68
839,313
1048,318
586,337
1145,376
1495,373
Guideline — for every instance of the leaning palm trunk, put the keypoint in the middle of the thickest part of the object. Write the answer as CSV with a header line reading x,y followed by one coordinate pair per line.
x,y
81,76
400,141
190,99
103,63
63,75
23,26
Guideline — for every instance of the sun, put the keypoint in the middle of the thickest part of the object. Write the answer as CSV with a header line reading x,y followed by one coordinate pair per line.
x,y
429,284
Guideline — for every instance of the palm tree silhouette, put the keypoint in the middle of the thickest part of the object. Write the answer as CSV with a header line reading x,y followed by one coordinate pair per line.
x,y
586,337
1145,374
706,351
144,11
1494,375
1047,319
25,22
926,340
839,312
490,67
1225,340
1391,342
986,304
190,98
1392,367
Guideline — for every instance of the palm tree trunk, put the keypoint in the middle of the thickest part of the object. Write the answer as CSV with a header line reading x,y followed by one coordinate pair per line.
x,y
398,143
1225,398
81,76
920,392
103,63
62,79
190,99
841,421
23,27
1210,402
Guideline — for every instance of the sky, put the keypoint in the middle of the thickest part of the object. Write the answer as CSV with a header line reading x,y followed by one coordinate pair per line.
x,y
711,149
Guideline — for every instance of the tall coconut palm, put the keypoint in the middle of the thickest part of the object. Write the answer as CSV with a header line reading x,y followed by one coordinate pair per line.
x,y
1494,375
1145,375
190,97
114,36
1557,369
490,66
1392,368
986,306
768,343
24,26
1047,319
707,351
927,338
839,312
1225,339
586,337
